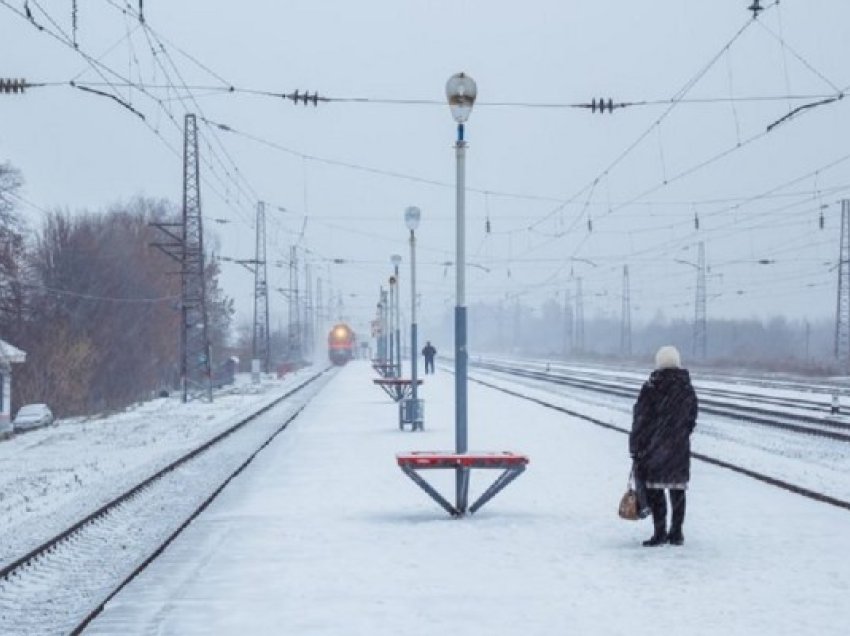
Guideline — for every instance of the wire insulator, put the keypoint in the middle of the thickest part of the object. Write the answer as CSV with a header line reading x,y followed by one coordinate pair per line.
x,y
8,85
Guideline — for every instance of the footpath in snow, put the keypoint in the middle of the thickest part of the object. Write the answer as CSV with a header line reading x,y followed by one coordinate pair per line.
x,y
324,535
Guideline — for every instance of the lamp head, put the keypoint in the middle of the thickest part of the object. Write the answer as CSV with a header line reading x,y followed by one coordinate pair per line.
x,y
461,92
395,259
411,217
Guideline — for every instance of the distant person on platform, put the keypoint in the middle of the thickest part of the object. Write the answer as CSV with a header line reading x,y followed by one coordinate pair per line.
x,y
665,415
428,351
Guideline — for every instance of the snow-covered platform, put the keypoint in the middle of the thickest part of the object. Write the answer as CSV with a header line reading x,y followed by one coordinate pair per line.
x,y
323,535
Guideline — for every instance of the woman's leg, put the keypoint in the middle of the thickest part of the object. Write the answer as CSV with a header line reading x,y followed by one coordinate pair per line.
x,y
677,505
658,504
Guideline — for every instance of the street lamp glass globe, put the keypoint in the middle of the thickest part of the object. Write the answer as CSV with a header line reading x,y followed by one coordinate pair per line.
x,y
461,92
395,259
411,217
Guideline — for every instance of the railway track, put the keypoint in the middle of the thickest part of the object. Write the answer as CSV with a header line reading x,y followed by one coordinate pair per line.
x,y
713,401
754,474
61,585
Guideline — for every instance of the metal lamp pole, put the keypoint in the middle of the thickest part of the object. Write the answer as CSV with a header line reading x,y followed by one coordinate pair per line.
x,y
390,314
411,219
396,261
461,92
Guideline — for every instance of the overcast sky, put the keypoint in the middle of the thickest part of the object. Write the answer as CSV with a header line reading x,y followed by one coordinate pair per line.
x,y
568,193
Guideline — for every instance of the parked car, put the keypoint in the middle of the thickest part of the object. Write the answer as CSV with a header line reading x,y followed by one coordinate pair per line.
x,y
33,416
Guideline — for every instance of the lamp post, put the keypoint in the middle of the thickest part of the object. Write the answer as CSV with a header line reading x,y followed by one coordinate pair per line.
x,y
460,92
390,341
396,261
411,219
385,329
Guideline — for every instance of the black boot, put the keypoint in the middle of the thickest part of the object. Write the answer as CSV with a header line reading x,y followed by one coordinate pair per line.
x,y
658,503
677,503
676,537
658,538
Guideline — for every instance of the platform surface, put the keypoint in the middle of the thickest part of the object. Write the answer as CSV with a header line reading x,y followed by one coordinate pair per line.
x,y
323,535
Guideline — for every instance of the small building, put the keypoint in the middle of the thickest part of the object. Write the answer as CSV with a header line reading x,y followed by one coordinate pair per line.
x,y
9,355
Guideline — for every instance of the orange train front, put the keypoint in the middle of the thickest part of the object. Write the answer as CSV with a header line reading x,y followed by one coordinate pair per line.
x,y
341,343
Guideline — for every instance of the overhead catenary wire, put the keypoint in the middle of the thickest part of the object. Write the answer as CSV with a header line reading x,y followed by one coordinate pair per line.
x,y
176,90
102,70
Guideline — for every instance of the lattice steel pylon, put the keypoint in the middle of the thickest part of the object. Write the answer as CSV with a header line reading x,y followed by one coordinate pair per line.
x,y
579,341
195,368
626,324
842,311
308,332
700,328
294,335
260,341
568,323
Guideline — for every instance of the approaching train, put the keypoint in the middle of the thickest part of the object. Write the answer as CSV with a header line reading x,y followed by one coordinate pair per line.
x,y
341,344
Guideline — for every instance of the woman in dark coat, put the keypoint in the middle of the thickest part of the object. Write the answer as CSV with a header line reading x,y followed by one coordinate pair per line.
x,y
664,418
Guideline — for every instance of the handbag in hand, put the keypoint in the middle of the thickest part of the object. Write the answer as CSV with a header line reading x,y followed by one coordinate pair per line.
x,y
632,504
629,507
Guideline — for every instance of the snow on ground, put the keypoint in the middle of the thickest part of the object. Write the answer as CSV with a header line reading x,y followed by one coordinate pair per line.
x,y
324,535
55,476
813,462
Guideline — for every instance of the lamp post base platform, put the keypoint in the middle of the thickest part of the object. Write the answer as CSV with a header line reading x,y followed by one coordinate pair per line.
x,y
511,464
411,412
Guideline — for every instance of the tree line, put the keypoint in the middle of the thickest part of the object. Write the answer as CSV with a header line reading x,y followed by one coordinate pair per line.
x,y
93,304
777,344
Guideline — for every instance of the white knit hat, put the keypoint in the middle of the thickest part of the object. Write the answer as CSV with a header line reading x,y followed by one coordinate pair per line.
x,y
668,358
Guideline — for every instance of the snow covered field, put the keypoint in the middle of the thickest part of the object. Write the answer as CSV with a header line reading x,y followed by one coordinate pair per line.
x,y
324,535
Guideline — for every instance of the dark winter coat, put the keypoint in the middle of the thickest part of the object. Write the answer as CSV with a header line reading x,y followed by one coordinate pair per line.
x,y
665,415
429,352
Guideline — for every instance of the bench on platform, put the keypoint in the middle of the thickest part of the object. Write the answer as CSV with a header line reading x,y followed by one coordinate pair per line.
x,y
511,464
397,388
385,369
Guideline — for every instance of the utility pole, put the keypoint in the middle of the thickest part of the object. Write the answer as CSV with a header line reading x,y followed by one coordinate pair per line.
x,y
261,351
308,312
579,344
568,323
516,324
294,334
320,310
196,364
842,311
626,326
700,328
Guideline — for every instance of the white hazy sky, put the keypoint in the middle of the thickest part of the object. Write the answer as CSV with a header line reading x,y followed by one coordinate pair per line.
x,y
542,175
